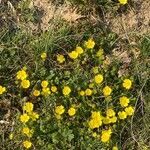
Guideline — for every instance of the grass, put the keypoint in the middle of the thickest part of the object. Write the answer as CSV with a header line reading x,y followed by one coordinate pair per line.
x,y
21,46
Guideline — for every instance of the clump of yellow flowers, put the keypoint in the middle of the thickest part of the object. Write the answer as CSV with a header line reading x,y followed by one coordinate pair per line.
x,y
59,110
110,116
22,75
77,94
96,120
28,115
45,89
76,53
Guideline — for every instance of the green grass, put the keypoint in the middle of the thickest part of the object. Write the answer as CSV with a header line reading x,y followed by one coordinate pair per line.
x,y
19,47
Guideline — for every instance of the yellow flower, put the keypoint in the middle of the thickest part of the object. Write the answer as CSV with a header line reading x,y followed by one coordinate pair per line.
x,y
129,110
11,136
73,55
21,75
123,2
28,107
122,115
43,56
96,115
124,101
2,89
113,119
82,93
106,135
59,110
46,91
27,144
115,148
127,83
90,44
24,118
44,84
34,116
60,58
79,50
110,112
107,91
27,131
66,90
71,111
96,120
95,123
54,89
25,84
36,93
98,78
106,120
88,92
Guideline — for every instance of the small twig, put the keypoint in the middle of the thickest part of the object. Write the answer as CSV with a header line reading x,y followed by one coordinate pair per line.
x,y
4,122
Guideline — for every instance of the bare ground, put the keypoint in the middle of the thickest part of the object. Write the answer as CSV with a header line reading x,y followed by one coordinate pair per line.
x,y
135,20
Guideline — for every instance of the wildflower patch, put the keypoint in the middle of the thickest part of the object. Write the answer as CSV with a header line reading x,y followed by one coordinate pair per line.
x,y
84,99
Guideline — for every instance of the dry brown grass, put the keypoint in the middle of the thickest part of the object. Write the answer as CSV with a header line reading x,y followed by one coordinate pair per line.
x,y
136,20
50,11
